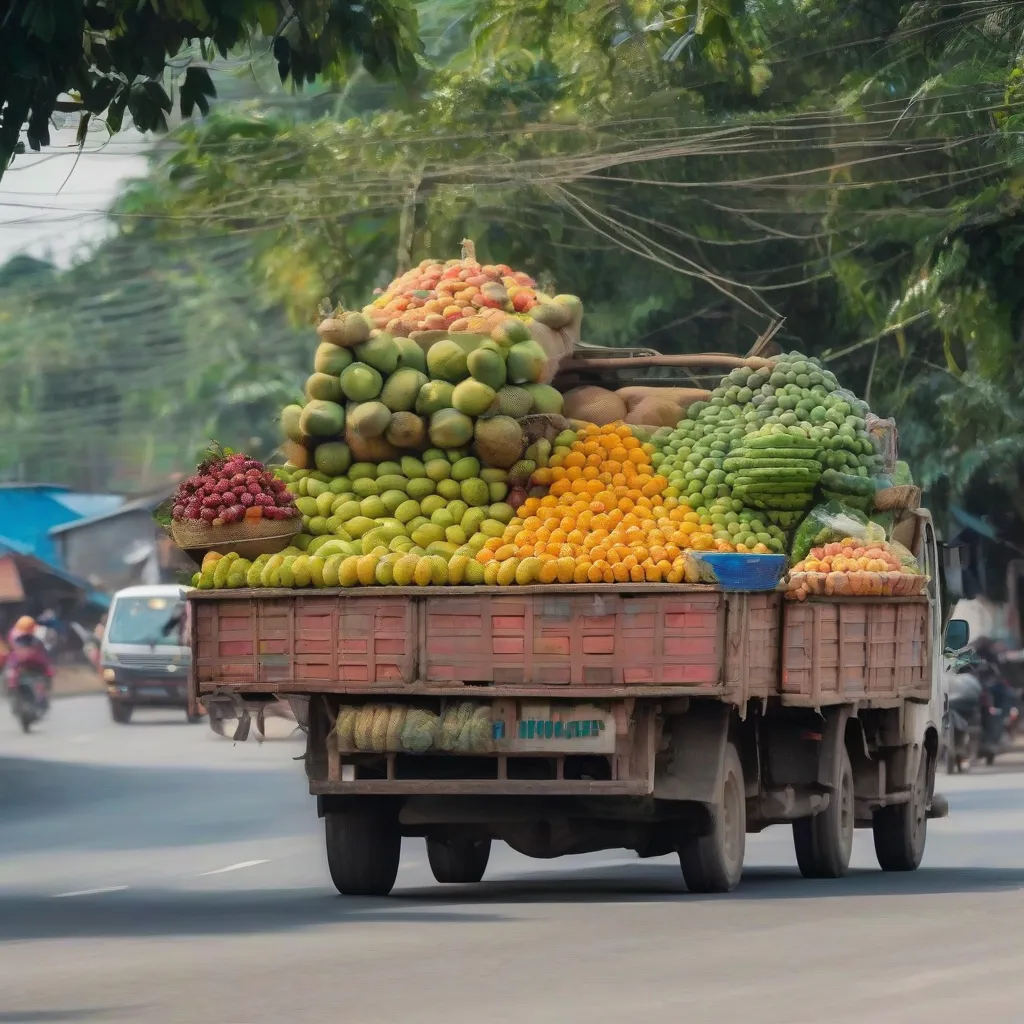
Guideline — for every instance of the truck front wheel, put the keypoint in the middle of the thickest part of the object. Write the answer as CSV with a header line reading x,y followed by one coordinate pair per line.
x,y
459,861
824,842
363,849
714,862
901,829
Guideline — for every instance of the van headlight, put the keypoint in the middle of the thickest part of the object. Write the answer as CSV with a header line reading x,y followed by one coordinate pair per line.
x,y
109,675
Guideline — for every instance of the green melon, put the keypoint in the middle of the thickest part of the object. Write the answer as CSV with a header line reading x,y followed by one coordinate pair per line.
x,y
331,359
361,383
546,399
380,352
402,388
472,397
322,419
450,428
369,419
407,430
487,365
527,361
410,355
332,458
446,360
434,396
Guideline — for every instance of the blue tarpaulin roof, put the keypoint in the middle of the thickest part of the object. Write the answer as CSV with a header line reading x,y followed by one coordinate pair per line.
x,y
29,511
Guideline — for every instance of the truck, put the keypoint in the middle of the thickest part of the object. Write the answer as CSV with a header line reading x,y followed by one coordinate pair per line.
x,y
650,717
573,718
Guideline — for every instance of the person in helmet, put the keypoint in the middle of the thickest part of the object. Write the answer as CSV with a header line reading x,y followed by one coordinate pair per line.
x,y
26,649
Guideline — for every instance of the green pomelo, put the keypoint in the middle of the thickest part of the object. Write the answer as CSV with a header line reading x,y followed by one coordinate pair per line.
x,y
434,396
401,389
545,398
446,360
331,359
410,355
360,382
369,419
323,386
406,430
332,458
450,428
322,419
381,353
527,361
487,365
472,397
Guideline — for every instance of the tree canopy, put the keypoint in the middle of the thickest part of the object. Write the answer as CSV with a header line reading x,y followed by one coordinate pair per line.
x,y
105,58
693,170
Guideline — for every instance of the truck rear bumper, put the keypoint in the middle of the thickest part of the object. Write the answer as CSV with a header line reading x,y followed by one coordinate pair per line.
x,y
481,787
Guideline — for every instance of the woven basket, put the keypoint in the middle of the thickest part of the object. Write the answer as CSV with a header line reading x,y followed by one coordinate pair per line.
x,y
906,496
247,539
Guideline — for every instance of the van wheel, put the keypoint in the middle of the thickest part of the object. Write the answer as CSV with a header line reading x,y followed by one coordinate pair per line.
x,y
824,841
900,831
363,849
459,861
714,862
121,712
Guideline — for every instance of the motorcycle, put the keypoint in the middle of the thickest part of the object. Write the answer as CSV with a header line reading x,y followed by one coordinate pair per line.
x,y
28,694
965,722
996,730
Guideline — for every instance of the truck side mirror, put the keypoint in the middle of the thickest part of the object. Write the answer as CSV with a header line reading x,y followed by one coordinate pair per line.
x,y
958,634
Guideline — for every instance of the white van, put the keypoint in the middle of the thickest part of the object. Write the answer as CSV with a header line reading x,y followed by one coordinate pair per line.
x,y
144,656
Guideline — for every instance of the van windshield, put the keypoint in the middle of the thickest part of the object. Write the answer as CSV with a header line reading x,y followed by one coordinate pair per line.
x,y
153,621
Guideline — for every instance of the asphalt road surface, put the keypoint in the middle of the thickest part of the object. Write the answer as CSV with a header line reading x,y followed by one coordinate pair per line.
x,y
157,873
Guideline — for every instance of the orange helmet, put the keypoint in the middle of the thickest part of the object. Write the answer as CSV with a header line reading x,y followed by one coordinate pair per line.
x,y
26,624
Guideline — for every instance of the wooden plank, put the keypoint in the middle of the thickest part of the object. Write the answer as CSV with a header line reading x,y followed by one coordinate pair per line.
x,y
483,787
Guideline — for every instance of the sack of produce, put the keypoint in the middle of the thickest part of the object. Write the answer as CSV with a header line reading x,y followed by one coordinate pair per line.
x,y
831,522
848,567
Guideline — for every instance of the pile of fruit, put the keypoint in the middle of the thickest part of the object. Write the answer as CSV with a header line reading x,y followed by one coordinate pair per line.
x,y
459,295
397,728
769,438
230,488
848,567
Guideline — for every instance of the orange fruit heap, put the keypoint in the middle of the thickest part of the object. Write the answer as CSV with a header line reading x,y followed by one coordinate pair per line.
x,y
605,519
459,295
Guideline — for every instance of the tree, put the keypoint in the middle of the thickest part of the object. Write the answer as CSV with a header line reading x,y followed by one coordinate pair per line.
x,y
104,58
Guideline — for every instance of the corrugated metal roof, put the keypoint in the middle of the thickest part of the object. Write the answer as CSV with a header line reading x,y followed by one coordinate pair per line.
x,y
88,506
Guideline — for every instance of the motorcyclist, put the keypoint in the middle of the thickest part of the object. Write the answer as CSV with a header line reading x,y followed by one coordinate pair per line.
x,y
26,651
999,699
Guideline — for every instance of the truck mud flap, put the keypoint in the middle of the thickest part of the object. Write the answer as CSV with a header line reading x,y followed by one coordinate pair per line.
x,y
696,752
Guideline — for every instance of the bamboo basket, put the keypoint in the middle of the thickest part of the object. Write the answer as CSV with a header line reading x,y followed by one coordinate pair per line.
x,y
247,539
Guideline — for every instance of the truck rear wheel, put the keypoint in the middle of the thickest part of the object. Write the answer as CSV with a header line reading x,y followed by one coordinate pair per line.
x,y
363,850
121,712
714,862
459,860
824,842
900,830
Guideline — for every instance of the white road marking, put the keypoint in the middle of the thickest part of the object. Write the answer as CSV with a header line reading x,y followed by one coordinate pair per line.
x,y
232,867
89,892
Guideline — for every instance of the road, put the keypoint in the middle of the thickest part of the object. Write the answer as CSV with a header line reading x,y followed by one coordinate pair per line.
x,y
157,873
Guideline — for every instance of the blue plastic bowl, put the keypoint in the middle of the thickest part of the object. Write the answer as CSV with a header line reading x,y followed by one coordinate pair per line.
x,y
736,571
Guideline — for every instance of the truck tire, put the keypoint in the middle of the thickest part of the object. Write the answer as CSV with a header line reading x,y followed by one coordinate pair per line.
x,y
900,830
459,861
714,862
121,712
363,850
824,841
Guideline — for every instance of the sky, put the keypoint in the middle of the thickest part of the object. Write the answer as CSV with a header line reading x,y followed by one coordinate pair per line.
x,y
52,203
